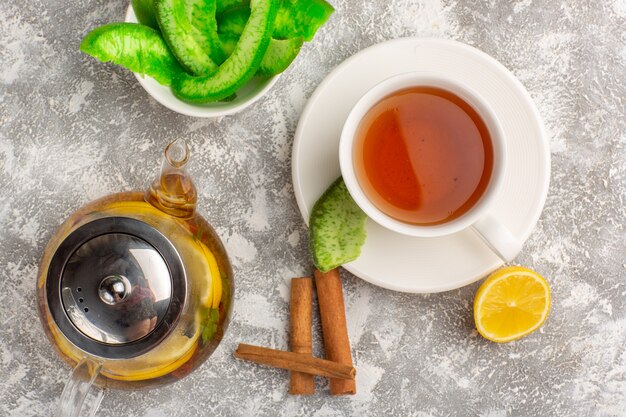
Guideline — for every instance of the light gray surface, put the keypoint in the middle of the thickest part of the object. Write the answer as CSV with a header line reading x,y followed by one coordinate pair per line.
x,y
73,129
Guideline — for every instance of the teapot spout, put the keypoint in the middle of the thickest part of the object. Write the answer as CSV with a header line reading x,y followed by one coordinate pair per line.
x,y
173,191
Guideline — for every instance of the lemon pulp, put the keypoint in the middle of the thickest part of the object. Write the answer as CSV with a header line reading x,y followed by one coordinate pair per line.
x,y
512,303
156,363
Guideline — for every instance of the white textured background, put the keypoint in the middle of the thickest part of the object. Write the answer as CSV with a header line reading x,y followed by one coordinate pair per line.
x,y
73,129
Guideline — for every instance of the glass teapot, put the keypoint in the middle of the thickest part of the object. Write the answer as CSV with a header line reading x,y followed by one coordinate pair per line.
x,y
134,289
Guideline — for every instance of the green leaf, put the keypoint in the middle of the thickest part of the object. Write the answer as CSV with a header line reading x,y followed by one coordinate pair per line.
x,y
209,324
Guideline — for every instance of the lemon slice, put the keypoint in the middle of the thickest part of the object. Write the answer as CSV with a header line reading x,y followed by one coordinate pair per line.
x,y
512,303
213,293
163,360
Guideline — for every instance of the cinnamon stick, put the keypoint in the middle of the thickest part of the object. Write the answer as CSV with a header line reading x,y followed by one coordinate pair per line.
x,y
292,361
300,312
334,328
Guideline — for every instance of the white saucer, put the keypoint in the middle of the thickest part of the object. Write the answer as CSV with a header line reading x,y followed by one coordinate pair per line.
x,y
425,265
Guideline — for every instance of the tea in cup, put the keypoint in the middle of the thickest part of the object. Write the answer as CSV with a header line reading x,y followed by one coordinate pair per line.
x,y
424,155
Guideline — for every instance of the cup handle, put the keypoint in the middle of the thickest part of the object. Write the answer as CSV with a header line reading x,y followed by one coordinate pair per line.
x,y
80,397
498,237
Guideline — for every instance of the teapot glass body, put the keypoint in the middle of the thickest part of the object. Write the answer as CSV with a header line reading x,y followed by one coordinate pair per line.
x,y
135,289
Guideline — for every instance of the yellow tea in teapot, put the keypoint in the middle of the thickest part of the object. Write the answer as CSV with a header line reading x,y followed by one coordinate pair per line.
x,y
137,284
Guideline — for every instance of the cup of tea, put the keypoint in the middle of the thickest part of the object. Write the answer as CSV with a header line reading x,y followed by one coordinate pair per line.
x,y
424,155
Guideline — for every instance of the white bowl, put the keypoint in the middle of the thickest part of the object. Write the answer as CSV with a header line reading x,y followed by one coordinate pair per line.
x,y
246,95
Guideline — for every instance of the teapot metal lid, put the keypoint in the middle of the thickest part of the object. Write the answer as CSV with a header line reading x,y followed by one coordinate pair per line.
x,y
116,287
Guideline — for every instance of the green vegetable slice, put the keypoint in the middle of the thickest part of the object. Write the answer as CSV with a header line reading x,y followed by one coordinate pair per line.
x,y
294,19
139,48
229,42
233,20
303,18
190,29
280,52
145,12
336,228
222,5
239,67
279,55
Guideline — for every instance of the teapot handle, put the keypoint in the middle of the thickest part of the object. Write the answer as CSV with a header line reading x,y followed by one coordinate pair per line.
x,y
80,397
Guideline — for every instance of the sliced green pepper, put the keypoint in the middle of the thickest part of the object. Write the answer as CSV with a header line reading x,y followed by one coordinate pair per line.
x,y
239,67
190,29
139,48
294,19
222,5
303,18
279,55
229,42
145,12
280,52
233,20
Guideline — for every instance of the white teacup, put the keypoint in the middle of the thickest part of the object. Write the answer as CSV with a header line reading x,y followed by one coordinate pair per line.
x,y
494,233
